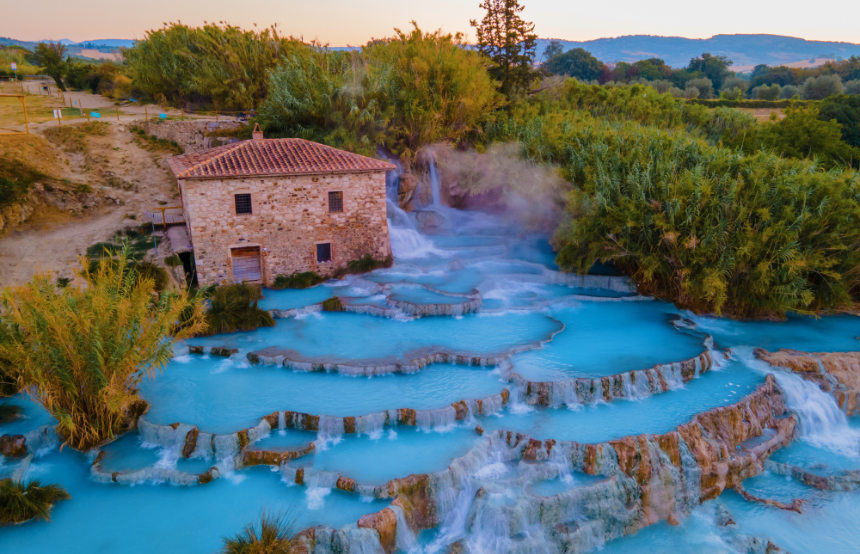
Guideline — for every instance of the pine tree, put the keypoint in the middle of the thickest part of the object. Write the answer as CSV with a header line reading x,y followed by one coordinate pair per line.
x,y
509,41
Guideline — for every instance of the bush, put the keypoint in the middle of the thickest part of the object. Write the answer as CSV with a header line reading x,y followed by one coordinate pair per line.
x,y
366,263
20,502
15,180
234,308
273,537
85,349
333,304
707,227
401,93
818,88
788,92
766,92
302,280
803,133
845,110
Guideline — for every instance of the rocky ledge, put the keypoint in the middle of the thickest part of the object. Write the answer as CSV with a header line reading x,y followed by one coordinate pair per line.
x,y
837,373
644,479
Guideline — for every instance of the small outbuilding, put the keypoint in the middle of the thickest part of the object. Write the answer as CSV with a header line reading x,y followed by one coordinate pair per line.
x,y
260,208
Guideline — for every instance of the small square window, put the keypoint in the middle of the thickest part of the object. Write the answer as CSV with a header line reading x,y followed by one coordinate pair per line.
x,y
335,201
243,203
324,252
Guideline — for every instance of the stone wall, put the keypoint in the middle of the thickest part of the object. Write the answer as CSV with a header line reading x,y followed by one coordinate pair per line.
x,y
290,216
191,136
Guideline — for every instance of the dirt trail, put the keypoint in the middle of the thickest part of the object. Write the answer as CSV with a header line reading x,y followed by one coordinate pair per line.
x,y
125,180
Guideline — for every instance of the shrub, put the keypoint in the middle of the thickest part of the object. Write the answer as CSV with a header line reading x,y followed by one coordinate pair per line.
x,y
333,304
818,88
84,349
297,280
707,227
766,92
366,263
20,502
173,260
273,537
234,308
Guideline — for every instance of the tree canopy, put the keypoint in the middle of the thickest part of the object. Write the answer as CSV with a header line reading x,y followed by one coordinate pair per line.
x,y
509,41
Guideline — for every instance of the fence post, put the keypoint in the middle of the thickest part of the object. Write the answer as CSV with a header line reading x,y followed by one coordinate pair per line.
x,y
117,114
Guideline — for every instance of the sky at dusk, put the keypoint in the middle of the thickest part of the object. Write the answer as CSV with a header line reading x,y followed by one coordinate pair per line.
x,y
353,22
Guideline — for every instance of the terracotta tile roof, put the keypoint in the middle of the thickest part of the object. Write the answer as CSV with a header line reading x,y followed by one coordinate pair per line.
x,y
284,156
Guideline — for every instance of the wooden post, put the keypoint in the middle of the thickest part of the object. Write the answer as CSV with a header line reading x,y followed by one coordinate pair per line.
x,y
88,115
26,117
145,112
117,114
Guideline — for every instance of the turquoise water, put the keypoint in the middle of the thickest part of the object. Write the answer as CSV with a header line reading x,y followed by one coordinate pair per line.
x,y
343,337
594,331
225,395
145,518
376,460
655,414
30,415
838,333
591,346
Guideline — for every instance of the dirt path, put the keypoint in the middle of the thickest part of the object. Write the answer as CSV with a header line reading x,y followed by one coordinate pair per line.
x,y
125,178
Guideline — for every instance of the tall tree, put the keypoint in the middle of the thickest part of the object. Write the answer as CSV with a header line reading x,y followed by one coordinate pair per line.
x,y
51,56
715,68
509,41
578,63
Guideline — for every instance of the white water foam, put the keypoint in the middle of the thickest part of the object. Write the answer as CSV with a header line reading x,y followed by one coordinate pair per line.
x,y
821,422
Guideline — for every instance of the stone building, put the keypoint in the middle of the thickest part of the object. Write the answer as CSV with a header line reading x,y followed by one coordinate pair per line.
x,y
263,207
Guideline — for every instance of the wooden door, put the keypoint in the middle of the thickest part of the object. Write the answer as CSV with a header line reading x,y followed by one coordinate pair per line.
x,y
246,264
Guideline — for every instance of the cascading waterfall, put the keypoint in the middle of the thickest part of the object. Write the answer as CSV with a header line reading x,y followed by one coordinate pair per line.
x,y
406,241
820,421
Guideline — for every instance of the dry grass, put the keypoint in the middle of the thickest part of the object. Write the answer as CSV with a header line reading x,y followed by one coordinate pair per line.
x,y
764,114
30,150
75,138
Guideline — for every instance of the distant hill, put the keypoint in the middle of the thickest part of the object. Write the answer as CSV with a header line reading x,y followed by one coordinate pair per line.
x,y
89,49
746,51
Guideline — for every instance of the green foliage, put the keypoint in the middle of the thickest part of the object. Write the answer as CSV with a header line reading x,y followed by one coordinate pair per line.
x,y
21,502
273,537
713,68
402,93
224,66
234,308
638,103
297,280
151,142
15,180
766,92
85,349
703,85
173,260
706,226
818,88
366,263
332,304
509,41
803,134
51,57
845,110
577,63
